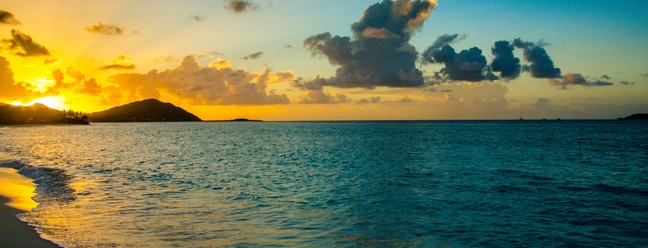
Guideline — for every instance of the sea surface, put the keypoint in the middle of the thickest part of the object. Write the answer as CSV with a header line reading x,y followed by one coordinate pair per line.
x,y
337,184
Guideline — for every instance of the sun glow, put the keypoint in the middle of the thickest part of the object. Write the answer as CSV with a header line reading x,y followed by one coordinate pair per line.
x,y
41,84
55,102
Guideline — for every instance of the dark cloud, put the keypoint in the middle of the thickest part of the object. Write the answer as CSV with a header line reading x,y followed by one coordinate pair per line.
x,y
198,18
467,65
217,84
315,84
253,56
240,6
369,100
627,83
23,45
8,18
505,62
121,62
106,29
606,77
406,99
541,64
576,79
445,39
117,67
379,53
321,97
50,61
8,87
644,75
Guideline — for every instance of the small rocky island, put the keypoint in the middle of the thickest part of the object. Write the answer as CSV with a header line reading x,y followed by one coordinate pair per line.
x,y
149,110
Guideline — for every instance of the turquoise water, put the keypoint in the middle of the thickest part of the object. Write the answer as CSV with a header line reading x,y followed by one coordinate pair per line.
x,y
349,184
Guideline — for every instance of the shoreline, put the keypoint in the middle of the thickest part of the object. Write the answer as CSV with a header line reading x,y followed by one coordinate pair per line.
x,y
15,233
16,192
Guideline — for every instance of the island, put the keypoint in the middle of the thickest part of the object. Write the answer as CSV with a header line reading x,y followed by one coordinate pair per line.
x,y
149,110
636,117
39,114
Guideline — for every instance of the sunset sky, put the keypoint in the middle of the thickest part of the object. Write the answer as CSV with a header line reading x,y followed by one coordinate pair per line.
x,y
331,60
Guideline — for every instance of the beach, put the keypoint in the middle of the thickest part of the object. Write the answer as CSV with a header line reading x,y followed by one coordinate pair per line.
x,y
15,198
15,233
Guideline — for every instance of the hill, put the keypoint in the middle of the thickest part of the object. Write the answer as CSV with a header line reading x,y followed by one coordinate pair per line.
x,y
149,110
636,117
38,114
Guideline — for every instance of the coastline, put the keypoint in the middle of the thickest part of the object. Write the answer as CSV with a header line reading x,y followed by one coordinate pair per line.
x,y
15,233
15,198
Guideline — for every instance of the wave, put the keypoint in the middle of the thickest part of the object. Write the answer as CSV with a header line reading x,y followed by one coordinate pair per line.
x,y
52,185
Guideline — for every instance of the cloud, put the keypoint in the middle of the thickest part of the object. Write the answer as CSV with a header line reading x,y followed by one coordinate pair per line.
x,y
576,79
627,83
543,108
240,6
8,18
23,45
406,99
50,61
378,33
445,39
8,87
79,83
541,64
644,75
505,62
320,97
468,65
217,84
379,53
117,67
369,100
198,18
105,29
121,62
253,56
90,87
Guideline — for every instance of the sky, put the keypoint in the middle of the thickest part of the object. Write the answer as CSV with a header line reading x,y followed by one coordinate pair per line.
x,y
331,60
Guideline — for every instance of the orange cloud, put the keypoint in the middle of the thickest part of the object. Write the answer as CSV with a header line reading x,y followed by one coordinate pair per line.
x,y
105,29
217,84
23,45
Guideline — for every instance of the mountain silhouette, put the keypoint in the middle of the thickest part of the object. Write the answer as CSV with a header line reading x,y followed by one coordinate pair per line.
x,y
38,114
149,110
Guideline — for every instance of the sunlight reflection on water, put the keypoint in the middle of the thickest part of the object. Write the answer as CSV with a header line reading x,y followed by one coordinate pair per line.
x,y
340,184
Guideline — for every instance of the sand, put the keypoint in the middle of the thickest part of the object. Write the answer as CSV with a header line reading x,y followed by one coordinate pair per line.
x,y
15,233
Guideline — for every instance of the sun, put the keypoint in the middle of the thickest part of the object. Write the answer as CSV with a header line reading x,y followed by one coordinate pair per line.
x,y
55,102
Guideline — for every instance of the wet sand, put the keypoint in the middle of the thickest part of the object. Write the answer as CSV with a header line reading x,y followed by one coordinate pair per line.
x,y
15,233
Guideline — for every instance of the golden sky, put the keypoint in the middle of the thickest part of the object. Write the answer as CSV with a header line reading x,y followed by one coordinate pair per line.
x,y
330,60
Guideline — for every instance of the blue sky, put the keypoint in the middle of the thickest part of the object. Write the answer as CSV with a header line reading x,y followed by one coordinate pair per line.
x,y
593,41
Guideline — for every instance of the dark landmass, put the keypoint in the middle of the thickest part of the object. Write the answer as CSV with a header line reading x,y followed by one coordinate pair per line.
x,y
149,110
39,114
636,117
236,120
15,233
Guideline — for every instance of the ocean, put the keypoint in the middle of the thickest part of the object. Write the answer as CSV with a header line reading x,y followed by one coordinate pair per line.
x,y
336,184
